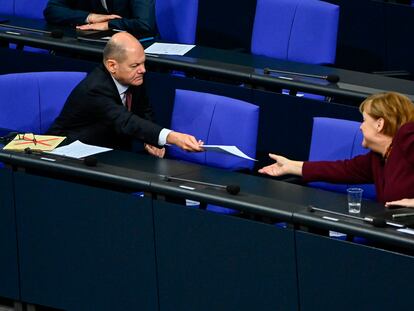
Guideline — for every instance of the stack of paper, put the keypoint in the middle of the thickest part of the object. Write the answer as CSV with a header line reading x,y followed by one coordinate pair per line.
x,y
168,48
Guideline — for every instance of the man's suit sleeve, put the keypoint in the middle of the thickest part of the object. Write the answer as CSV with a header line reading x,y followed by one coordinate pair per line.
x,y
141,105
142,18
59,12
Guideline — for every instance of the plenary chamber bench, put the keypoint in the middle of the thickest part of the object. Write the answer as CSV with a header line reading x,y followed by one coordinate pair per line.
x,y
88,239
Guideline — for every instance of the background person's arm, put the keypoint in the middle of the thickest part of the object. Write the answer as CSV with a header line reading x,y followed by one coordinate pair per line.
x,y
141,19
59,12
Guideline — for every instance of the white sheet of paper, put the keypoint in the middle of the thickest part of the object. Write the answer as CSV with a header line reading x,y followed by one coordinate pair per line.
x,y
169,48
79,150
233,150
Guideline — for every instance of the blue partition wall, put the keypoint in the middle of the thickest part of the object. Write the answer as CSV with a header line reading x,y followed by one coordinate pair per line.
x,y
339,275
208,261
9,279
84,248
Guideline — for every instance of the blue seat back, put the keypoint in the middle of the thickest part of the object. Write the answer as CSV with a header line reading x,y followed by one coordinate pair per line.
x,y
217,120
7,7
177,20
297,30
19,103
29,9
30,102
54,89
336,139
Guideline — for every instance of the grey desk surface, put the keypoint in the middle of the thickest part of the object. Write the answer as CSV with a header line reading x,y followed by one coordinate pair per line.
x,y
239,67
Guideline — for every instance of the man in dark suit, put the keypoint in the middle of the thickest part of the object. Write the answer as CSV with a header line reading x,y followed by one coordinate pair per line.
x,y
135,16
109,107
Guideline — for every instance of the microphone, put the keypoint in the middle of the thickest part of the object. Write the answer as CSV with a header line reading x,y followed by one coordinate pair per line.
x,y
375,221
88,161
232,189
56,33
330,78
8,138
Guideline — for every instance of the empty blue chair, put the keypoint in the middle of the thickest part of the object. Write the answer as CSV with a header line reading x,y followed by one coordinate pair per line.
x,y
177,20
297,30
7,7
29,102
336,139
217,120
29,9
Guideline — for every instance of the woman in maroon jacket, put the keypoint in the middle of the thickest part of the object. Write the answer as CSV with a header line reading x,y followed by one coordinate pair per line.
x,y
388,130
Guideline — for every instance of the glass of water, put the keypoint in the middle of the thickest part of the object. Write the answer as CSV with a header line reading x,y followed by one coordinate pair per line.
x,y
354,200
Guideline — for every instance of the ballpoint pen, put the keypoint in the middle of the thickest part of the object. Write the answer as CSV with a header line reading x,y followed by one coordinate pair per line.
x,y
402,215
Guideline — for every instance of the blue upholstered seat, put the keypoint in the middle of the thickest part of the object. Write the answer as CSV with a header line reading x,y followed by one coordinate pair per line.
x,y
29,102
177,20
217,120
7,7
29,9
336,139
297,30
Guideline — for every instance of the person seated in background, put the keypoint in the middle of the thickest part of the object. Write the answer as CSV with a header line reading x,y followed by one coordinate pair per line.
x,y
109,107
134,16
388,131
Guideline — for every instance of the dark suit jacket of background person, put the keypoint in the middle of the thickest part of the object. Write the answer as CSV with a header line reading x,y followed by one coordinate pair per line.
x,y
94,114
138,15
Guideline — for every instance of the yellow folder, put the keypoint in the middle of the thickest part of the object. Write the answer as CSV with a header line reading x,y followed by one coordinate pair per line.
x,y
34,142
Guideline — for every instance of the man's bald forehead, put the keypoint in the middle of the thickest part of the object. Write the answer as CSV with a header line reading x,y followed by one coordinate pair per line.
x,y
119,45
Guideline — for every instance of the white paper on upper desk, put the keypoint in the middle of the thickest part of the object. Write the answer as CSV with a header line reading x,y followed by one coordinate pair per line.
x,y
233,150
169,48
406,230
79,150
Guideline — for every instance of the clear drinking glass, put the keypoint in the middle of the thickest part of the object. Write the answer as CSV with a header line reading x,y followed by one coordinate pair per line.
x,y
354,200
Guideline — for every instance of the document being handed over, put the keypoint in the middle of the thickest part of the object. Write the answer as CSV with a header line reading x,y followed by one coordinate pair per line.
x,y
233,150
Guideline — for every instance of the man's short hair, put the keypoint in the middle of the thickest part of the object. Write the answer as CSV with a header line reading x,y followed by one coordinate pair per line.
x,y
115,51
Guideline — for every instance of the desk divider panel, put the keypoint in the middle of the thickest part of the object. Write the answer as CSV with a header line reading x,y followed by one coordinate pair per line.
x,y
84,248
9,277
208,261
339,275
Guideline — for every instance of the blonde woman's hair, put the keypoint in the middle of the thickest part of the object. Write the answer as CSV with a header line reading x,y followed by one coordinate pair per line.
x,y
396,110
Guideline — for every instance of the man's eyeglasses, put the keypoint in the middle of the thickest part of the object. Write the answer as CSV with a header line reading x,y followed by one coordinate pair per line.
x,y
23,137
